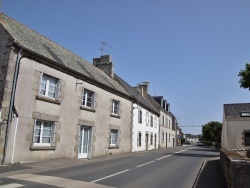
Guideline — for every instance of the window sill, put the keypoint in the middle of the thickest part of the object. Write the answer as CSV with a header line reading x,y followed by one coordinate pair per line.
x,y
43,98
87,108
113,147
115,116
42,148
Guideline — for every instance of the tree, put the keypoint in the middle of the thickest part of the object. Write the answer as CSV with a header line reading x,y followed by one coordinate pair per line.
x,y
211,132
245,77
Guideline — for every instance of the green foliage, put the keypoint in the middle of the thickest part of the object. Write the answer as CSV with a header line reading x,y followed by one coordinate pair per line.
x,y
211,132
245,77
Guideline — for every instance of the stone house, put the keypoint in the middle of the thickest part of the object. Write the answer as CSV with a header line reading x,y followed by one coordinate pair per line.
x,y
236,126
55,104
145,121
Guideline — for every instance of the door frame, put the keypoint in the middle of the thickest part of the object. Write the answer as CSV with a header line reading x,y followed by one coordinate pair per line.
x,y
89,141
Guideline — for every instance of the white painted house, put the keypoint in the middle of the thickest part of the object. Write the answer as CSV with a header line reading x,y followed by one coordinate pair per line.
x,y
145,130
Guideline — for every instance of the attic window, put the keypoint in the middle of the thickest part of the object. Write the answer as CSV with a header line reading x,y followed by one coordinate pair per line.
x,y
245,114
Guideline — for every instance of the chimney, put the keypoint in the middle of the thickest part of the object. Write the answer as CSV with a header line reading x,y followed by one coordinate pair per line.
x,y
143,87
105,63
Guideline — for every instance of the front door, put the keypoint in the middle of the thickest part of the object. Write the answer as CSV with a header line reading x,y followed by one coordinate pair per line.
x,y
84,142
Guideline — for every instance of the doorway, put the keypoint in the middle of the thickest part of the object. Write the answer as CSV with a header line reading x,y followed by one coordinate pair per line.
x,y
84,142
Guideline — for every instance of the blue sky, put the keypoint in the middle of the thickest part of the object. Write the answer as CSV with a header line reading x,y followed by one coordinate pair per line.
x,y
190,51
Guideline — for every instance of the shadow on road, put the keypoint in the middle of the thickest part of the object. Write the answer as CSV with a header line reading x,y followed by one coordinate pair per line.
x,y
195,155
211,176
201,149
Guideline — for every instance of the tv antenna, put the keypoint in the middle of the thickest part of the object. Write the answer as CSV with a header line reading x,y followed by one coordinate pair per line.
x,y
104,44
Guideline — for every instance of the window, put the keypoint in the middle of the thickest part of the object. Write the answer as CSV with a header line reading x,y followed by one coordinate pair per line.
x,y
49,86
139,116
245,114
88,98
247,138
139,139
162,138
151,139
151,121
43,133
147,118
155,122
163,122
115,107
113,137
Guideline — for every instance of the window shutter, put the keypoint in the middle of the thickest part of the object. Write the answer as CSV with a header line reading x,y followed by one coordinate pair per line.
x,y
93,101
53,135
33,139
58,89
118,107
40,84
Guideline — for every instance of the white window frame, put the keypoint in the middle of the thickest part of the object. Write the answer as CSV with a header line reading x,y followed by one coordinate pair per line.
x,y
113,137
115,107
88,97
139,116
46,81
147,118
151,121
162,138
41,135
155,121
151,139
139,139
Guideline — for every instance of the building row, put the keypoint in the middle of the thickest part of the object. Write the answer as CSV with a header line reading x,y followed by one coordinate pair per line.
x,y
54,104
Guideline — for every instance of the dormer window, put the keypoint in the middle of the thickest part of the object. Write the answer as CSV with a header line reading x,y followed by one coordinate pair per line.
x,y
245,114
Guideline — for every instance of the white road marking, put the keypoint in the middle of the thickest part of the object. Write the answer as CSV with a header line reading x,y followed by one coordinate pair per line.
x,y
12,185
110,176
56,181
181,151
145,163
164,157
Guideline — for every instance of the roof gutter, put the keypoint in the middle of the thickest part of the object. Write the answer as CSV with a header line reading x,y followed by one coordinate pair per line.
x,y
11,103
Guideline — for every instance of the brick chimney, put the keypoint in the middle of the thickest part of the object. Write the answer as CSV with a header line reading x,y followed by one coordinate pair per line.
x,y
105,63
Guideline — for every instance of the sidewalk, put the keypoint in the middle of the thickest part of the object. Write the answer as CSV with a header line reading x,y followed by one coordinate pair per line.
x,y
211,175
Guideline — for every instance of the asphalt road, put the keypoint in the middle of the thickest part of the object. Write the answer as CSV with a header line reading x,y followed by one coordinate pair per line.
x,y
175,167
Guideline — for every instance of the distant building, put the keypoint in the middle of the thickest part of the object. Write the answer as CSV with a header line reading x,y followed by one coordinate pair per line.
x,y
191,139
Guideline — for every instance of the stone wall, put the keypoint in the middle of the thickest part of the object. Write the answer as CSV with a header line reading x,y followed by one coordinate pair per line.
x,y
236,172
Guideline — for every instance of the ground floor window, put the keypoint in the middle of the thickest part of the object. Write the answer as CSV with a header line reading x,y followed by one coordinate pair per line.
x,y
139,139
113,137
162,138
43,133
151,139
247,138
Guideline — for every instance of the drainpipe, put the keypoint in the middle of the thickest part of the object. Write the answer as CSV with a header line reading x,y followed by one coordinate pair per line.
x,y
11,103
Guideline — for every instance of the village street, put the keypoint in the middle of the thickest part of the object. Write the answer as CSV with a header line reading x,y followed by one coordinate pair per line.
x,y
171,167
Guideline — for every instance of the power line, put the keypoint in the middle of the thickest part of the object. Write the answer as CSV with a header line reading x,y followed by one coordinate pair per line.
x,y
191,126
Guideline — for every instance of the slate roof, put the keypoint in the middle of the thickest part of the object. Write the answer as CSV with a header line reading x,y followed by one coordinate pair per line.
x,y
137,96
37,44
233,111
